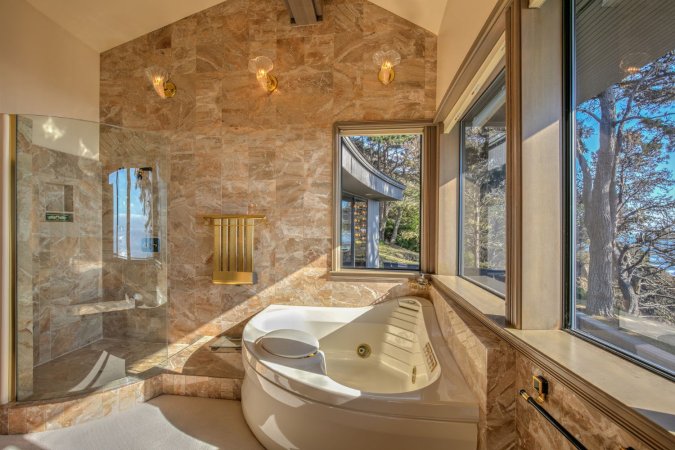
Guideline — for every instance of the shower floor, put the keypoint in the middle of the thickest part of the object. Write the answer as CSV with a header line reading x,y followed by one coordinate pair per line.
x,y
106,362
110,363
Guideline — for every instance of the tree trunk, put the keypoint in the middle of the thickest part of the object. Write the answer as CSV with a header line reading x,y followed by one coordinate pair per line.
x,y
628,283
476,237
630,296
600,223
394,233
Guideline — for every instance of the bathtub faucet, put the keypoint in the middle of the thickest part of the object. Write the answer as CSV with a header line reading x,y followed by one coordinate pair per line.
x,y
421,282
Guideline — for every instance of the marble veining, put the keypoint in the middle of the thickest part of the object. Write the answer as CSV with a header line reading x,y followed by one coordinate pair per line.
x,y
498,372
592,428
69,282
489,363
235,149
31,417
59,263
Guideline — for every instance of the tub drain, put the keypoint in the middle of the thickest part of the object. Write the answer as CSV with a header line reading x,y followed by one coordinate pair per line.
x,y
363,350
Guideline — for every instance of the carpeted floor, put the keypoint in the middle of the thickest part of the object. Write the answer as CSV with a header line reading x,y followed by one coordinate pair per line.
x,y
167,422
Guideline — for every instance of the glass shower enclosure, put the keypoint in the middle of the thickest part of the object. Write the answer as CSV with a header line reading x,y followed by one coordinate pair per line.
x,y
91,257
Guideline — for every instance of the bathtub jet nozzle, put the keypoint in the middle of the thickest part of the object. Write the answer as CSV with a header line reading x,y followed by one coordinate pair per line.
x,y
363,350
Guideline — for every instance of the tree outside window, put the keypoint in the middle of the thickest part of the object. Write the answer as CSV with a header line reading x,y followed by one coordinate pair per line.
x,y
625,196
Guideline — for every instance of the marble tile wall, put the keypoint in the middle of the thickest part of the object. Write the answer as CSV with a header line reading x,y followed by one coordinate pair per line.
x,y
585,422
199,360
496,372
488,364
59,263
123,148
32,417
236,149
202,386
27,304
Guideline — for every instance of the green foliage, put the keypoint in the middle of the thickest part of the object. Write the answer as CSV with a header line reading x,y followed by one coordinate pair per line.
x,y
393,253
409,239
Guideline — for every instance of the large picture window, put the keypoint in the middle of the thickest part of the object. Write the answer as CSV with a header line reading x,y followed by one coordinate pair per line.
x,y
622,142
482,250
380,203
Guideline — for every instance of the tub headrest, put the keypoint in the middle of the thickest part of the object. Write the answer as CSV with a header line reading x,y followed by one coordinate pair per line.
x,y
289,343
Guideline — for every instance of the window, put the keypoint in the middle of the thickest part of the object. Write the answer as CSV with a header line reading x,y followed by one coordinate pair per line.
x,y
482,249
380,204
622,179
132,213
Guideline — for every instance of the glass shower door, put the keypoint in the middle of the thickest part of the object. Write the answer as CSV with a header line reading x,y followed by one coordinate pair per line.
x,y
92,267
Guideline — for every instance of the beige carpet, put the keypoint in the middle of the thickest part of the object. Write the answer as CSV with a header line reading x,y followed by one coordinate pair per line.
x,y
166,422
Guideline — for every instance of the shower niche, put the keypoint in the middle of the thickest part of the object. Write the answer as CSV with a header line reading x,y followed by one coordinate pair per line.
x,y
92,270
58,201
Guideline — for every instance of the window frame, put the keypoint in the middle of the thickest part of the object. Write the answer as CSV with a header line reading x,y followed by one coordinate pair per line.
x,y
569,200
498,47
532,316
489,83
428,188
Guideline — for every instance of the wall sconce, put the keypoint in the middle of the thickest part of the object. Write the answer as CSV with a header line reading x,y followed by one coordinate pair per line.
x,y
261,66
386,60
160,81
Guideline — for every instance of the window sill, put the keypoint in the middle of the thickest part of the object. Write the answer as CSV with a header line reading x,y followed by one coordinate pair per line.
x,y
473,298
393,276
595,375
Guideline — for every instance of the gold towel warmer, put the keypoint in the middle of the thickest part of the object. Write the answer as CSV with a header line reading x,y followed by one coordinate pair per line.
x,y
233,247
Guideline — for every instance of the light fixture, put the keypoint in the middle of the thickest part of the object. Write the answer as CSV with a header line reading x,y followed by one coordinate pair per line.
x,y
159,78
386,60
261,66
632,63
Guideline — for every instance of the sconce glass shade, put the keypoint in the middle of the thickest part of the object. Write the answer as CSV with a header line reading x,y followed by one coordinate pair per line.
x,y
261,66
633,62
386,60
159,78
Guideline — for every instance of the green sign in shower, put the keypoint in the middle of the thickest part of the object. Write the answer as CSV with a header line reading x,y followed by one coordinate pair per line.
x,y
59,217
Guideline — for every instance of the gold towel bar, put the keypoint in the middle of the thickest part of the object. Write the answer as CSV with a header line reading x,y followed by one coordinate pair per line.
x,y
233,247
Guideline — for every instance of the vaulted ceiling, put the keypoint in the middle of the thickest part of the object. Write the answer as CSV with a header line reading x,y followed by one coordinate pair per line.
x,y
425,13
104,24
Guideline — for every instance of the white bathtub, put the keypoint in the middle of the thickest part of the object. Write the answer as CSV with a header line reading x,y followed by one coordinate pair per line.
x,y
407,394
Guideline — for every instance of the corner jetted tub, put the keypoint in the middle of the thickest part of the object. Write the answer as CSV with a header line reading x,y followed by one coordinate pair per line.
x,y
377,377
